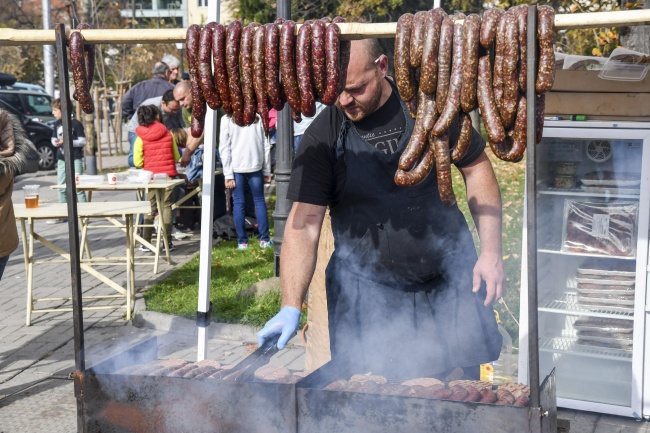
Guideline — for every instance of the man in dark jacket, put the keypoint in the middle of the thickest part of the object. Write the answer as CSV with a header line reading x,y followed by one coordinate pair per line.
x,y
137,94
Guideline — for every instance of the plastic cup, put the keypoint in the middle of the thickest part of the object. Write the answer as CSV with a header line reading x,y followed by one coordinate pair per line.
x,y
112,178
31,195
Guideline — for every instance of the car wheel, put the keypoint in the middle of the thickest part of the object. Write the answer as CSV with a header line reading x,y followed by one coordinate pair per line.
x,y
47,155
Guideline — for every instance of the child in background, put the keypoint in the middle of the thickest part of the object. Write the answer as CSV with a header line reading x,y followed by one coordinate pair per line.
x,y
180,138
78,143
155,150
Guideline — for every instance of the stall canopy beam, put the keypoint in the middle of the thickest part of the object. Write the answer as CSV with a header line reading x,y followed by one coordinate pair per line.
x,y
348,30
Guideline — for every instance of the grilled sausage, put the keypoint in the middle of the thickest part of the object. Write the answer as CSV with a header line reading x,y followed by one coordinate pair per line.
x,y
198,102
444,62
417,39
79,75
219,65
259,82
442,394
489,25
518,148
429,64
279,21
443,168
420,171
246,65
488,396
304,70
540,105
497,74
288,65
546,61
473,394
471,28
332,63
455,83
459,393
522,401
344,58
272,71
233,37
505,397
206,80
318,68
89,58
521,12
493,125
510,72
464,136
403,74
418,140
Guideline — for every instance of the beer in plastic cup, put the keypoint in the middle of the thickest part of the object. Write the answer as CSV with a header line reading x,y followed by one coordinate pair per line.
x,y
31,195
112,178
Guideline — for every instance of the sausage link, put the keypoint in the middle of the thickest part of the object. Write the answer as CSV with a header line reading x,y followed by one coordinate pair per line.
x,y
471,28
459,393
521,12
522,401
403,73
488,396
486,103
233,37
288,65
510,72
417,39
272,71
219,65
318,69
546,61
206,80
455,83
246,65
89,59
443,168
442,394
417,175
326,20
429,66
258,80
514,146
464,136
295,116
303,69
473,394
279,21
332,59
497,75
418,140
489,25
540,106
505,397
444,62
192,41
79,75
344,58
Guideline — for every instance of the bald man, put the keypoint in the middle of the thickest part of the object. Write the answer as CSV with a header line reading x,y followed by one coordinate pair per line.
x,y
407,295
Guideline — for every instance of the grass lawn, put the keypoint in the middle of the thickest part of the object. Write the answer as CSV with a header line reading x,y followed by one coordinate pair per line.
x,y
234,270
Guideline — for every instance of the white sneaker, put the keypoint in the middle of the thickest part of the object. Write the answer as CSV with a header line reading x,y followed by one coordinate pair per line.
x,y
178,235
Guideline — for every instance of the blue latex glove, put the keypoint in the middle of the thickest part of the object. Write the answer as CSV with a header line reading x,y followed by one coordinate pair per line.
x,y
285,323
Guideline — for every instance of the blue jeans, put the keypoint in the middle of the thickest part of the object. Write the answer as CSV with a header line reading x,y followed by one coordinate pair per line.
x,y
60,177
296,143
3,263
256,182
132,136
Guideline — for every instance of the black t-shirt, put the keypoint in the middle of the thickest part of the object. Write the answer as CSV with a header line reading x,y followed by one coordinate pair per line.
x,y
318,176
384,127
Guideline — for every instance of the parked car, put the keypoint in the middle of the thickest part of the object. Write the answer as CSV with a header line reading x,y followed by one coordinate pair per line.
x,y
30,87
34,104
40,135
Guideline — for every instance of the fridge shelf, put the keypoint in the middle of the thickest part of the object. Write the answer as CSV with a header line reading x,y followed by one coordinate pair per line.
x,y
569,346
554,249
567,303
579,192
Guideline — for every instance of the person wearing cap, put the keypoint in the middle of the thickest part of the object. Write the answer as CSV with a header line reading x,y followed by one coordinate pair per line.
x,y
185,77
151,88
174,65
407,294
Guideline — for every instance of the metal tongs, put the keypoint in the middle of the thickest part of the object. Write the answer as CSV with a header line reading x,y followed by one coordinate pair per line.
x,y
245,370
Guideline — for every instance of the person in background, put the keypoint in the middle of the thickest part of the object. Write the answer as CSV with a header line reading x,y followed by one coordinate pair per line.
x,y
299,128
156,151
185,77
142,91
246,158
13,154
171,114
174,65
78,143
180,138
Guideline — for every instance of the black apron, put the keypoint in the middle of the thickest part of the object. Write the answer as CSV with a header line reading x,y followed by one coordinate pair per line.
x,y
399,283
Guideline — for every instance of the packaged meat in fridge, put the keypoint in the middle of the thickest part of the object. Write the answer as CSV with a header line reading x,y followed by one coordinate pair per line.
x,y
601,324
600,228
595,266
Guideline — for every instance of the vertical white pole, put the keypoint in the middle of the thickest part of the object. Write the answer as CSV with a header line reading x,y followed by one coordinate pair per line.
x,y
48,52
207,197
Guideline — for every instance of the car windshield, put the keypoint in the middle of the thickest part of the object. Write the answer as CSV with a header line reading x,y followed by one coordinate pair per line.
x,y
38,105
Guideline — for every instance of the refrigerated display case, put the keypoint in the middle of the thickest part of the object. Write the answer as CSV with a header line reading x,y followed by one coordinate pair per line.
x,y
593,193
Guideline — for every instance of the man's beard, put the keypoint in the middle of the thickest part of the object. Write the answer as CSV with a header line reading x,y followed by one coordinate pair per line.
x,y
359,111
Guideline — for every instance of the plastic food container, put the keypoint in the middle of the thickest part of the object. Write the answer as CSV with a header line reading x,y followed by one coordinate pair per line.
x,y
564,182
87,179
160,177
625,65
137,180
583,63
566,168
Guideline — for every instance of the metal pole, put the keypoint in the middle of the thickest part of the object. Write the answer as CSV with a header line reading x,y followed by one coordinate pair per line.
x,y
531,209
204,309
73,221
48,52
283,161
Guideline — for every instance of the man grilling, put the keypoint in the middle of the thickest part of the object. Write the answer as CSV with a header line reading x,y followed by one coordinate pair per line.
x,y
407,295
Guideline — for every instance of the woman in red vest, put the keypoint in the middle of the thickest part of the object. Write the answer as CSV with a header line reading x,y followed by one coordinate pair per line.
x,y
155,150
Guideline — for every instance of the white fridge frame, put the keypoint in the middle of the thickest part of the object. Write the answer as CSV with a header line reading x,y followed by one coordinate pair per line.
x,y
640,399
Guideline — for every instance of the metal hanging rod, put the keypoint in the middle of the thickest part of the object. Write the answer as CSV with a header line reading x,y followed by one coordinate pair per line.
x,y
348,30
